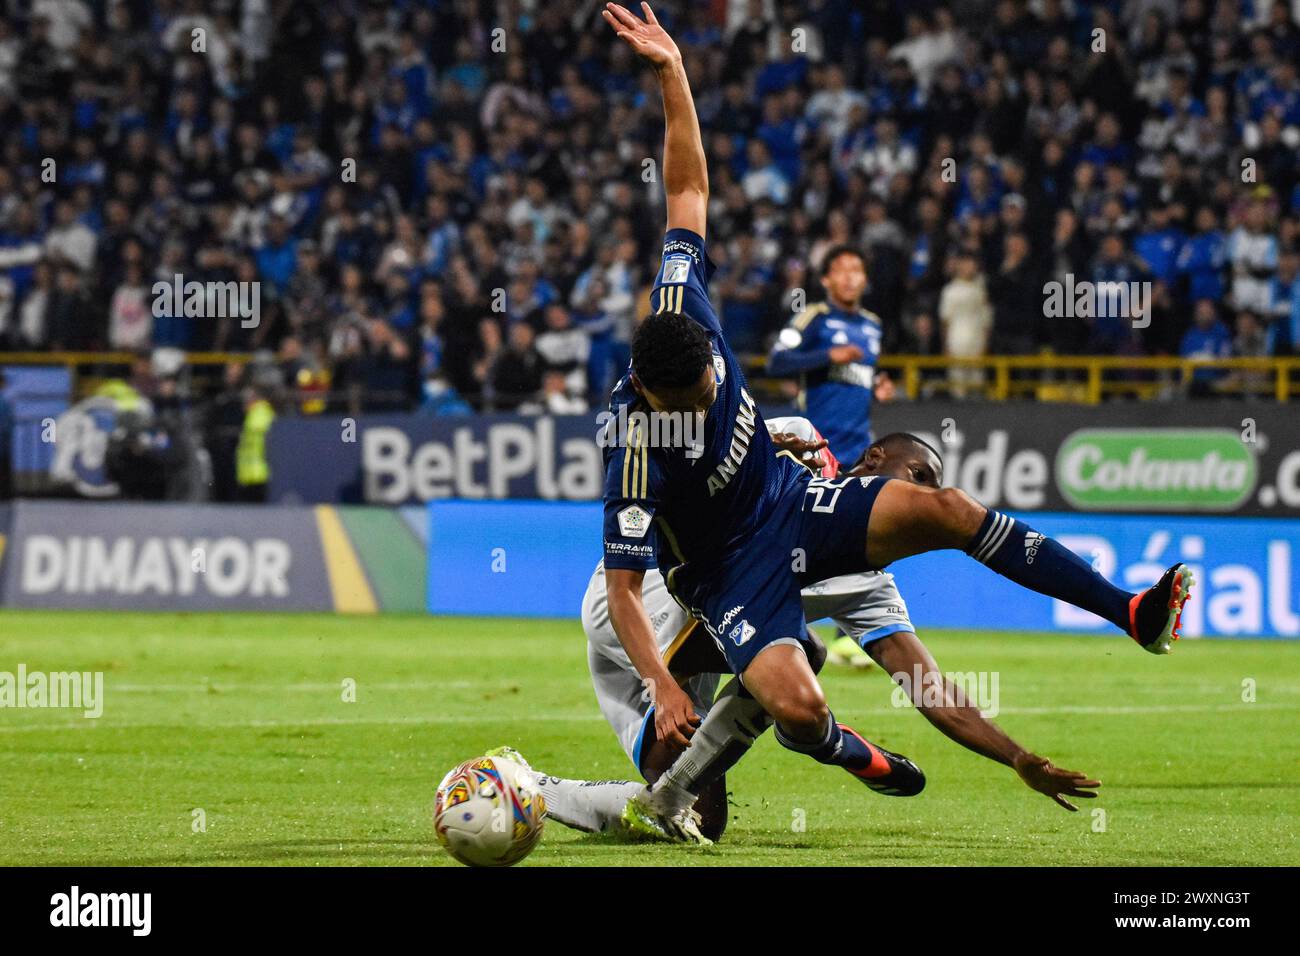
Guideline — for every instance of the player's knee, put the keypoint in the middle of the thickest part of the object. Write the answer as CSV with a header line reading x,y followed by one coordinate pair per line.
x,y
802,712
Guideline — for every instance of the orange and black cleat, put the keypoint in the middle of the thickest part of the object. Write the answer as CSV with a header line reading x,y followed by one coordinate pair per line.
x,y
888,773
1155,616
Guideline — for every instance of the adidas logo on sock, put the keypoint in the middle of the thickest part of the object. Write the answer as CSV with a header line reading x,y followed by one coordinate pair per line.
x,y
1032,541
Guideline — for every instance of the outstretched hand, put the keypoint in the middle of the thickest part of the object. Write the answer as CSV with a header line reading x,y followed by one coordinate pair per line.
x,y
646,37
802,448
1041,775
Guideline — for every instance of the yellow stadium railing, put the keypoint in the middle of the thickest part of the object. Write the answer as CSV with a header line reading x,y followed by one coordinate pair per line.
x,y
76,360
1075,378
1084,378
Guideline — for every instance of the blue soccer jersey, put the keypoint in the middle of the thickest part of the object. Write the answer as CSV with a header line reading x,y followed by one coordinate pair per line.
x,y
715,518
835,398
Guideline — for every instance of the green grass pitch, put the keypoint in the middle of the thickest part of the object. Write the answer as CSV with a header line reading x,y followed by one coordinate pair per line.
x,y
242,716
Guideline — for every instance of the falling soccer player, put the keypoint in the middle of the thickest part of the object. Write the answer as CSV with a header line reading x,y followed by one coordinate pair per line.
x,y
867,607
726,520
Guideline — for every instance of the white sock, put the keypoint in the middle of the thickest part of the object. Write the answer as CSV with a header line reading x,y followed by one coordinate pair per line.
x,y
593,806
733,724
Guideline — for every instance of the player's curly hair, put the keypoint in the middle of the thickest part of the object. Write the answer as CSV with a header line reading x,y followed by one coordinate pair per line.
x,y
670,350
835,252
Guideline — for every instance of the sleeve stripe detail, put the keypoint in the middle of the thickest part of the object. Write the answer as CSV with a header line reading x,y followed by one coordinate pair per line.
x,y
627,463
636,466
802,320
670,298
645,469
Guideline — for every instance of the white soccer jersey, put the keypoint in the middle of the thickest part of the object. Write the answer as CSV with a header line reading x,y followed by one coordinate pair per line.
x,y
865,606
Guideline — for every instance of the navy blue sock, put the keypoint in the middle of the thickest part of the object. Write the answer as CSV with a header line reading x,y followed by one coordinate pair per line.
x,y
837,747
1016,551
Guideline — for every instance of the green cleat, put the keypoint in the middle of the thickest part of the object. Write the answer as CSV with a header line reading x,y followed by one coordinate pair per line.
x,y
844,650
642,822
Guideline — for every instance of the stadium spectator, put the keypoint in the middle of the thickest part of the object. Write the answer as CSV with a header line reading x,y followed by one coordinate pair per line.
x,y
252,471
1250,340
1284,311
1208,338
1016,290
342,156
967,317
564,348
516,371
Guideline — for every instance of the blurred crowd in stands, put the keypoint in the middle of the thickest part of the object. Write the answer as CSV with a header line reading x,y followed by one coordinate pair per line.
x,y
454,204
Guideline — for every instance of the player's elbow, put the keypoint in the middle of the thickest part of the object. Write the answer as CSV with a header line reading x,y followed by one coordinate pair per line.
x,y
688,205
953,516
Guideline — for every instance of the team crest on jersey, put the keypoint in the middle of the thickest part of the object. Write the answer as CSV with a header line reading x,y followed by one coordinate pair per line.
x,y
741,633
633,522
719,368
676,270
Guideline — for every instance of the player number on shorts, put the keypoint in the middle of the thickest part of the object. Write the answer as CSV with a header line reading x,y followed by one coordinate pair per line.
x,y
820,486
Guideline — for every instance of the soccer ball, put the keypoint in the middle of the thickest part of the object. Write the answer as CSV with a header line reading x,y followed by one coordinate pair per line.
x,y
488,812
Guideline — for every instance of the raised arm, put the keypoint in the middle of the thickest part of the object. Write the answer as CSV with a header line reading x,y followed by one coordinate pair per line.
x,y
685,171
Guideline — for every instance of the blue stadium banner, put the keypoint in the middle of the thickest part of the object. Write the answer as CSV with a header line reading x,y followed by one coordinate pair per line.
x,y
533,559
519,558
133,556
398,459
1223,458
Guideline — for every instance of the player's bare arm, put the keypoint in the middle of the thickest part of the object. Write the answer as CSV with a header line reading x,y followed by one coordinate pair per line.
x,y
675,718
961,721
685,171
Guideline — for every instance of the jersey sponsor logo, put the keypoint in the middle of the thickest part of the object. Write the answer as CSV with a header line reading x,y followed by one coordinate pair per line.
x,y
633,522
854,373
622,549
1033,541
741,435
677,269
729,617
680,246
741,633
